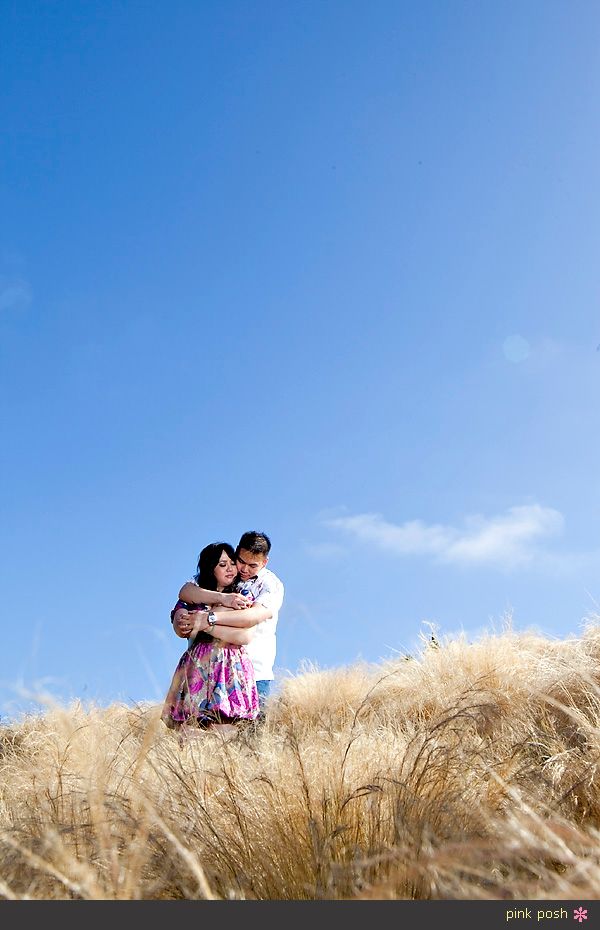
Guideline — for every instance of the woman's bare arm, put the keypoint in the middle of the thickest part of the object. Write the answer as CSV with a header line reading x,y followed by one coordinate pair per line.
x,y
232,636
242,619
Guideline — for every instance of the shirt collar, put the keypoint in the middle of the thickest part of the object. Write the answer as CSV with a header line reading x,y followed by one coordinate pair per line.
x,y
257,577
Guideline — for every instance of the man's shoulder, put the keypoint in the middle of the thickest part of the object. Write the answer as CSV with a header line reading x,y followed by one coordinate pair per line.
x,y
272,578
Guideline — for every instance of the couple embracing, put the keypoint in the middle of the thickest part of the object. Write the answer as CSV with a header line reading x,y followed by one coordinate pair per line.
x,y
228,613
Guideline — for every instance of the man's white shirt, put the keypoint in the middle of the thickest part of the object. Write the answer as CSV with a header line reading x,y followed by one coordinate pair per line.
x,y
267,590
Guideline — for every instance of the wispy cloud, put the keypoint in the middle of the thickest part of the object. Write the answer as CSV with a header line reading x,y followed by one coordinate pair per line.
x,y
15,294
325,551
506,540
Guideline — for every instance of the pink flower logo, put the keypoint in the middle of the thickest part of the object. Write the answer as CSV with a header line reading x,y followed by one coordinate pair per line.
x,y
580,914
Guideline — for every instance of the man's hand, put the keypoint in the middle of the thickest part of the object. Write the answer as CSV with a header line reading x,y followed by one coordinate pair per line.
x,y
189,622
236,601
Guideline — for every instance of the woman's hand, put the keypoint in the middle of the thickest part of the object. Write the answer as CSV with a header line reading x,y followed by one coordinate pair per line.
x,y
200,624
236,601
185,621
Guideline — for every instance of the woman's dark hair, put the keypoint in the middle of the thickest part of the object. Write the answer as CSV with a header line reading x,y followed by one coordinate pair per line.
x,y
208,561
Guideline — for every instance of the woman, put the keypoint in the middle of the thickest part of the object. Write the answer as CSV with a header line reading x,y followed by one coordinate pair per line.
x,y
213,684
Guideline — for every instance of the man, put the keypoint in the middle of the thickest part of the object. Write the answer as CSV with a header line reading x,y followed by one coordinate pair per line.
x,y
257,604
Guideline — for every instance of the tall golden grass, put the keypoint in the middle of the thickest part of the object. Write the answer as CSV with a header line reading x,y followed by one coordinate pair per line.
x,y
468,771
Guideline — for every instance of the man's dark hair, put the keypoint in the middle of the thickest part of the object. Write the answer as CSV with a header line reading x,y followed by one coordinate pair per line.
x,y
208,561
257,543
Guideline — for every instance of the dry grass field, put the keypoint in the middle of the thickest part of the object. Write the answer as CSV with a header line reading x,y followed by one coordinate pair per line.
x,y
466,772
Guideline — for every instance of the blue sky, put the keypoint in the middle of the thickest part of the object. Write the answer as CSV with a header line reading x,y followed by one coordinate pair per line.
x,y
323,269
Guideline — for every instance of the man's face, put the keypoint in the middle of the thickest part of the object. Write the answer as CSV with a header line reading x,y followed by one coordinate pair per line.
x,y
249,563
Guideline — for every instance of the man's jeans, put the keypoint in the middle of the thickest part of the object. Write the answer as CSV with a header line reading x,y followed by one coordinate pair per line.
x,y
263,688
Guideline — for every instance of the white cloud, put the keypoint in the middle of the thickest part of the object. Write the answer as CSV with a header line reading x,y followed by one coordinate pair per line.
x,y
508,540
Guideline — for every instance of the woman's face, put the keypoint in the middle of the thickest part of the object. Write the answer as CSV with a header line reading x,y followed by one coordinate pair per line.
x,y
225,570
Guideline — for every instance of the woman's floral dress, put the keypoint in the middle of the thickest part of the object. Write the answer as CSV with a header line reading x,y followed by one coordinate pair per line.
x,y
213,683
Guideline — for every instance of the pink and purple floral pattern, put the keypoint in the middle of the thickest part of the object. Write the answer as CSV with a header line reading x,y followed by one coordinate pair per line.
x,y
212,682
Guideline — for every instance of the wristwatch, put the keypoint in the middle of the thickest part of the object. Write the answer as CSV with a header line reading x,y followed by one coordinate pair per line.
x,y
211,619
